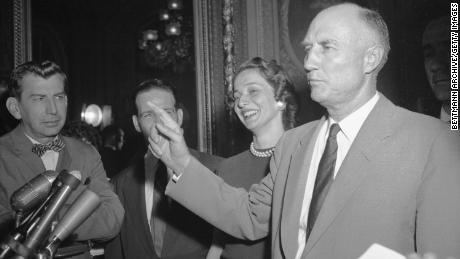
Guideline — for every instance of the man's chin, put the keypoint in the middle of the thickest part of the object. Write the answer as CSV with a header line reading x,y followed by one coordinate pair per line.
x,y
318,96
442,92
52,132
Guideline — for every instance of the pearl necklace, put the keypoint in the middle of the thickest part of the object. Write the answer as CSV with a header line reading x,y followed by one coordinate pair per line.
x,y
266,153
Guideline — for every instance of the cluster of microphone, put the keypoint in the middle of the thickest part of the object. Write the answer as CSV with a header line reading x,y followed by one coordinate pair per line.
x,y
37,204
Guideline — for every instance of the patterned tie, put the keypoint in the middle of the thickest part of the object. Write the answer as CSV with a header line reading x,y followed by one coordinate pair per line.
x,y
324,177
55,145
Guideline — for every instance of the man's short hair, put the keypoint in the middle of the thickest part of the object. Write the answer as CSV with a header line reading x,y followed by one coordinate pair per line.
x,y
153,84
43,69
439,23
375,22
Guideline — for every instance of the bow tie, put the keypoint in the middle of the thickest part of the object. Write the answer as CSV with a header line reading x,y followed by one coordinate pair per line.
x,y
55,145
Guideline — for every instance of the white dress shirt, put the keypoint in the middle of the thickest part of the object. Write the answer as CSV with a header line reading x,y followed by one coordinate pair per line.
x,y
444,116
349,128
50,158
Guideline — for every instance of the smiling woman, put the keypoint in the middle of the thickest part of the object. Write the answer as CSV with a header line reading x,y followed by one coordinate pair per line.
x,y
266,104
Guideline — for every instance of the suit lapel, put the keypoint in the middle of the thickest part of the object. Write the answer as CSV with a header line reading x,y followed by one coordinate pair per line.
x,y
22,147
64,159
355,167
295,188
174,217
171,233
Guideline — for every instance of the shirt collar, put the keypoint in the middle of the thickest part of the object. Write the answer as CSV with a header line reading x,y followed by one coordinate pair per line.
x,y
35,141
351,124
444,116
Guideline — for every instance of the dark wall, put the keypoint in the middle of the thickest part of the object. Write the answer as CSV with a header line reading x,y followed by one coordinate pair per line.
x,y
96,42
6,37
403,78
7,122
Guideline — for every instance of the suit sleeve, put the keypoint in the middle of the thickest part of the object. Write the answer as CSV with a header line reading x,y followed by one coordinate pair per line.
x,y
235,211
6,215
438,199
6,212
105,222
114,248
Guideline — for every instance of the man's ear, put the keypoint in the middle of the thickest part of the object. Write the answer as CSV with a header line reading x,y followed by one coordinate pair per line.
x,y
373,58
136,124
180,116
12,105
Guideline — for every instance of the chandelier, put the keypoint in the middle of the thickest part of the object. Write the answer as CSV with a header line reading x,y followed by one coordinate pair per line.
x,y
169,42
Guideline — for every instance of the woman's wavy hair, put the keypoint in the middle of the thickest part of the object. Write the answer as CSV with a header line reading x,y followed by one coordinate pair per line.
x,y
282,86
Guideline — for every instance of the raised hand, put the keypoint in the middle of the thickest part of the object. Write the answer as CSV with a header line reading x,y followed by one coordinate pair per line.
x,y
166,141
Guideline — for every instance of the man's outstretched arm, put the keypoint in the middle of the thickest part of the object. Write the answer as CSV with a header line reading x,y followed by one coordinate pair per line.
x,y
234,210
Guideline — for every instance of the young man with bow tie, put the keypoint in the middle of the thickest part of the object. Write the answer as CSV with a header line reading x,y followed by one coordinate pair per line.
x,y
38,99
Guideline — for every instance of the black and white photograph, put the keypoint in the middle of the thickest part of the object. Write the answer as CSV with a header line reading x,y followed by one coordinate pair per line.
x,y
229,129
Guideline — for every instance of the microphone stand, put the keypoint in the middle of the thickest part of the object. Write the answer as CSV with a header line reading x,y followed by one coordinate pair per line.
x,y
23,200
14,242
80,210
40,227
37,224
68,184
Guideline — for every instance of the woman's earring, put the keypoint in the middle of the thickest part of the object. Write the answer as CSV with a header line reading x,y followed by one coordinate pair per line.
x,y
281,104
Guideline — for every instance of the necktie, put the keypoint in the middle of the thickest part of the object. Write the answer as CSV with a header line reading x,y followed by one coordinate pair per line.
x,y
55,145
160,209
324,177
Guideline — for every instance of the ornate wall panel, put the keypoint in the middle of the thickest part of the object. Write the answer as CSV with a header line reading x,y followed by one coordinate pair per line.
x,y
22,31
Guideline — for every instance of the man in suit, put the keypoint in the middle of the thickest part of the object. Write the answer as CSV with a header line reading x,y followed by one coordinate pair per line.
x,y
111,153
436,54
368,172
155,226
38,98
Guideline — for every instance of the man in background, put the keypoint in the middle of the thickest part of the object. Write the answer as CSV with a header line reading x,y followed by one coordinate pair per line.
x,y
38,99
436,53
156,226
111,155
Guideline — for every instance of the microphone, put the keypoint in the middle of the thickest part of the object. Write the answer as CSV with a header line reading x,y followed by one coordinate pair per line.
x,y
80,210
65,184
33,192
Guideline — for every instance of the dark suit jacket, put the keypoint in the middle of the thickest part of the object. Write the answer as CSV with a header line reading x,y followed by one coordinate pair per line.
x,y
187,236
112,160
18,165
399,186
